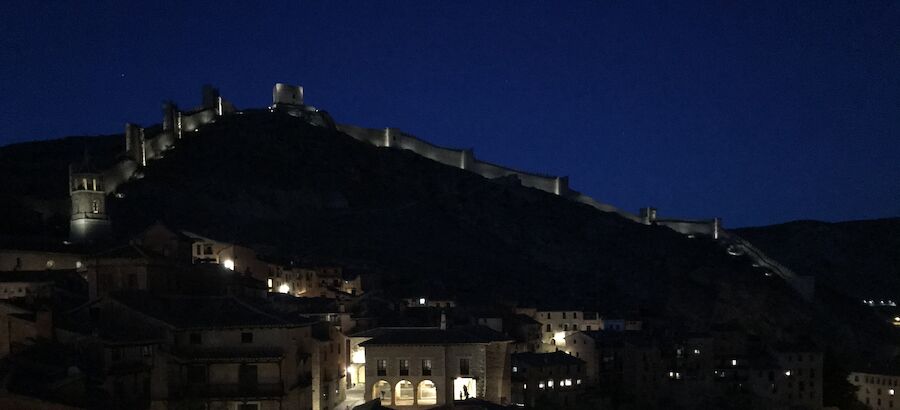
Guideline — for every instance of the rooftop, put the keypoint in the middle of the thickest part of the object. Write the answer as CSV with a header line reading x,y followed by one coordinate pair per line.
x,y
433,336
204,311
546,359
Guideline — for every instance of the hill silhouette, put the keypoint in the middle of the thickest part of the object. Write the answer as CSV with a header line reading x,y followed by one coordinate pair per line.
x,y
296,191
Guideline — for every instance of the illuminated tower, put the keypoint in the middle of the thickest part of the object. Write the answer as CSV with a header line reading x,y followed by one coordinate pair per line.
x,y
90,221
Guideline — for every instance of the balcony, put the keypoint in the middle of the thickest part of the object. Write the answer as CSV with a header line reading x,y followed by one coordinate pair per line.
x,y
257,391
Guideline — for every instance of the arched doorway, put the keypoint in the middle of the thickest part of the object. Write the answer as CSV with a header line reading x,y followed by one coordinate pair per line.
x,y
427,392
404,394
361,374
382,390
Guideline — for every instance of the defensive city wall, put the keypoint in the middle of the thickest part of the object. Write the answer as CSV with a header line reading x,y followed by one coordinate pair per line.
x,y
143,145
465,159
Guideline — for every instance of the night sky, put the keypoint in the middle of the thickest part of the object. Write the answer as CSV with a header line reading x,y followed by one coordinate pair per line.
x,y
756,111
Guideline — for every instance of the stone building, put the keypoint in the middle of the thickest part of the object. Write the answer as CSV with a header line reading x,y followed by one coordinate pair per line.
x,y
557,324
229,255
424,368
90,221
546,379
40,258
877,388
217,352
628,359
789,377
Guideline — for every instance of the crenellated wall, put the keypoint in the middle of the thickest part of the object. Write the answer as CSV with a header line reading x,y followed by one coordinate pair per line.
x,y
143,145
465,159
191,121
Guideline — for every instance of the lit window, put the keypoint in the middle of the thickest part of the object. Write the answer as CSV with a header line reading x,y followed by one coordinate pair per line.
x,y
550,383
515,369
229,264
696,351
578,381
787,373
541,385
891,392
270,283
421,301
525,386
734,362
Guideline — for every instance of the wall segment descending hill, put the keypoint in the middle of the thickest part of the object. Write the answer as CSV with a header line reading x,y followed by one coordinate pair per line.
x,y
465,159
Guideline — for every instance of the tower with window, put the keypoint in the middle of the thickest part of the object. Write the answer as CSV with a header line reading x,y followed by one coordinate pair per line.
x,y
89,221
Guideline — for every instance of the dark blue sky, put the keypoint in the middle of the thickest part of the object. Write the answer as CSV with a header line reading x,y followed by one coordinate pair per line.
x,y
759,112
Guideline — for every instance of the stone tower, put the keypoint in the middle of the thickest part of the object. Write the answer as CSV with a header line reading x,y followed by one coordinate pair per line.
x,y
286,94
90,221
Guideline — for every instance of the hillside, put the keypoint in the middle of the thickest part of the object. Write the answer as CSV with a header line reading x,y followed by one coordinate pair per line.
x,y
860,258
292,190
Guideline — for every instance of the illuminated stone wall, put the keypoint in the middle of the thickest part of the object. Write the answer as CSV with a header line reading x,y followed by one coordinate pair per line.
x,y
465,159
287,94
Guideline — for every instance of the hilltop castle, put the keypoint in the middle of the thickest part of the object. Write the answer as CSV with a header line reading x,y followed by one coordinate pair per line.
x,y
89,187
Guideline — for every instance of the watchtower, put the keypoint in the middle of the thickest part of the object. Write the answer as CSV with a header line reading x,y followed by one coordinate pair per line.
x,y
286,94
90,221
648,215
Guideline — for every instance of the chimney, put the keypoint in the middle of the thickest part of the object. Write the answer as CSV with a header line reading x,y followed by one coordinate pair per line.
x,y
443,321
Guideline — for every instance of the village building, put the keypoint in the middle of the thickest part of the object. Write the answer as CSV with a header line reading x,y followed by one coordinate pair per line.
x,y
221,351
557,324
629,359
547,379
424,368
877,388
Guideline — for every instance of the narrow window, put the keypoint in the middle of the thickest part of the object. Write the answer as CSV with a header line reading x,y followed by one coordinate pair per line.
x,y
382,367
426,367
404,367
548,328
463,367
95,206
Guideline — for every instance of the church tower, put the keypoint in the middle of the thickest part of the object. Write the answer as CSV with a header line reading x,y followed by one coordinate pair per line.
x,y
90,221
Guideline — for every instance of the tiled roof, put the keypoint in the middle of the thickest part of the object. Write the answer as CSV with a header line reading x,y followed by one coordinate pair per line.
x,y
546,359
431,336
617,338
204,311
